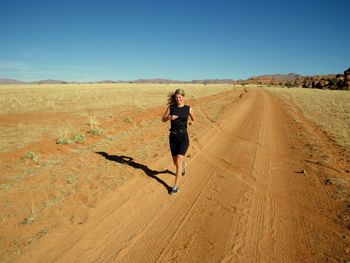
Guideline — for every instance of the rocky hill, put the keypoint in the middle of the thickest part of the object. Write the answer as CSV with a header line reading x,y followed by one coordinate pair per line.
x,y
331,81
274,79
339,81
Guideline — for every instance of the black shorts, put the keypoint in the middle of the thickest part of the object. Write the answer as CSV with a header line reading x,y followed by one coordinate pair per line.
x,y
179,143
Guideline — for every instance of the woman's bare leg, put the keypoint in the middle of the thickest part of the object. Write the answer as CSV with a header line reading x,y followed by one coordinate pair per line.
x,y
178,163
174,160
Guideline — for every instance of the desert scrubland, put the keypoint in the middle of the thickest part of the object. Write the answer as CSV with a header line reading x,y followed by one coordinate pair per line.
x,y
328,108
30,112
85,174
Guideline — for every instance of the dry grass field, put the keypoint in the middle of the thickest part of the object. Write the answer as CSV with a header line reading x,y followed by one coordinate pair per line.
x,y
86,169
330,109
80,97
29,112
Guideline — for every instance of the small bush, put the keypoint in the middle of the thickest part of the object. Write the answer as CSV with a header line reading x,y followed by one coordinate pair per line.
x,y
31,218
79,138
70,179
97,131
128,120
32,156
65,138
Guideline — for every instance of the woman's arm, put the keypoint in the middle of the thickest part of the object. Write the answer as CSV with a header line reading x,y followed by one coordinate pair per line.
x,y
191,114
166,115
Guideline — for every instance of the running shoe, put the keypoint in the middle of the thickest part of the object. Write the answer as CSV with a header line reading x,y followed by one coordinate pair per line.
x,y
174,190
183,168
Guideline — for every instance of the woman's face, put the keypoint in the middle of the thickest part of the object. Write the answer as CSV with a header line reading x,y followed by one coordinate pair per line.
x,y
179,99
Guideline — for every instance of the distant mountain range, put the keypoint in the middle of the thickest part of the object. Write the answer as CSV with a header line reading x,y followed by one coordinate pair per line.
x,y
331,81
264,78
47,81
156,80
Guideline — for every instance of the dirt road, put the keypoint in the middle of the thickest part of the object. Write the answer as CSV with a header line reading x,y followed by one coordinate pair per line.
x,y
250,196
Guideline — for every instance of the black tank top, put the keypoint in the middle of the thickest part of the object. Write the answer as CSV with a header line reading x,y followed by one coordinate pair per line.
x,y
179,124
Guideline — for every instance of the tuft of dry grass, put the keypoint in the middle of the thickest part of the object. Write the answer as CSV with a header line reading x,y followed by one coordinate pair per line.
x,y
64,137
328,108
93,123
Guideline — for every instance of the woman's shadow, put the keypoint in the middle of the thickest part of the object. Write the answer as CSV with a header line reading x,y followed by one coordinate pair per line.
x,y
130,161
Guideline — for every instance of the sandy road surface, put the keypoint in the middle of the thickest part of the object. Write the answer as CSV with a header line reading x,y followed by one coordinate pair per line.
x,y
243,200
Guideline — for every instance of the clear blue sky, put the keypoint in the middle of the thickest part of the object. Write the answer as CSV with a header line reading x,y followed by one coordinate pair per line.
x,y
176,39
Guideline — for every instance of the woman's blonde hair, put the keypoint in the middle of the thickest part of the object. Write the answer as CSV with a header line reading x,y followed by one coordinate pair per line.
x,y
172,96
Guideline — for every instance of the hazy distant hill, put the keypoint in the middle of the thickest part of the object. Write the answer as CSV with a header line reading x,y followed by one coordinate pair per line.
x,y
214,81
157,80
107,81
49,81
11,81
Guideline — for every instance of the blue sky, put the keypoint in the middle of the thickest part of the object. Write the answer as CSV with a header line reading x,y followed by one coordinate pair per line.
x,y
174,39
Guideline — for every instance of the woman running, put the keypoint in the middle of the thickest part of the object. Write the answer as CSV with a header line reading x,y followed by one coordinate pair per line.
x,y
177,112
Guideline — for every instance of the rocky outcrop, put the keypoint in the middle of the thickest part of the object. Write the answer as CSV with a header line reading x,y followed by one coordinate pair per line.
x,y
346,81
334,82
